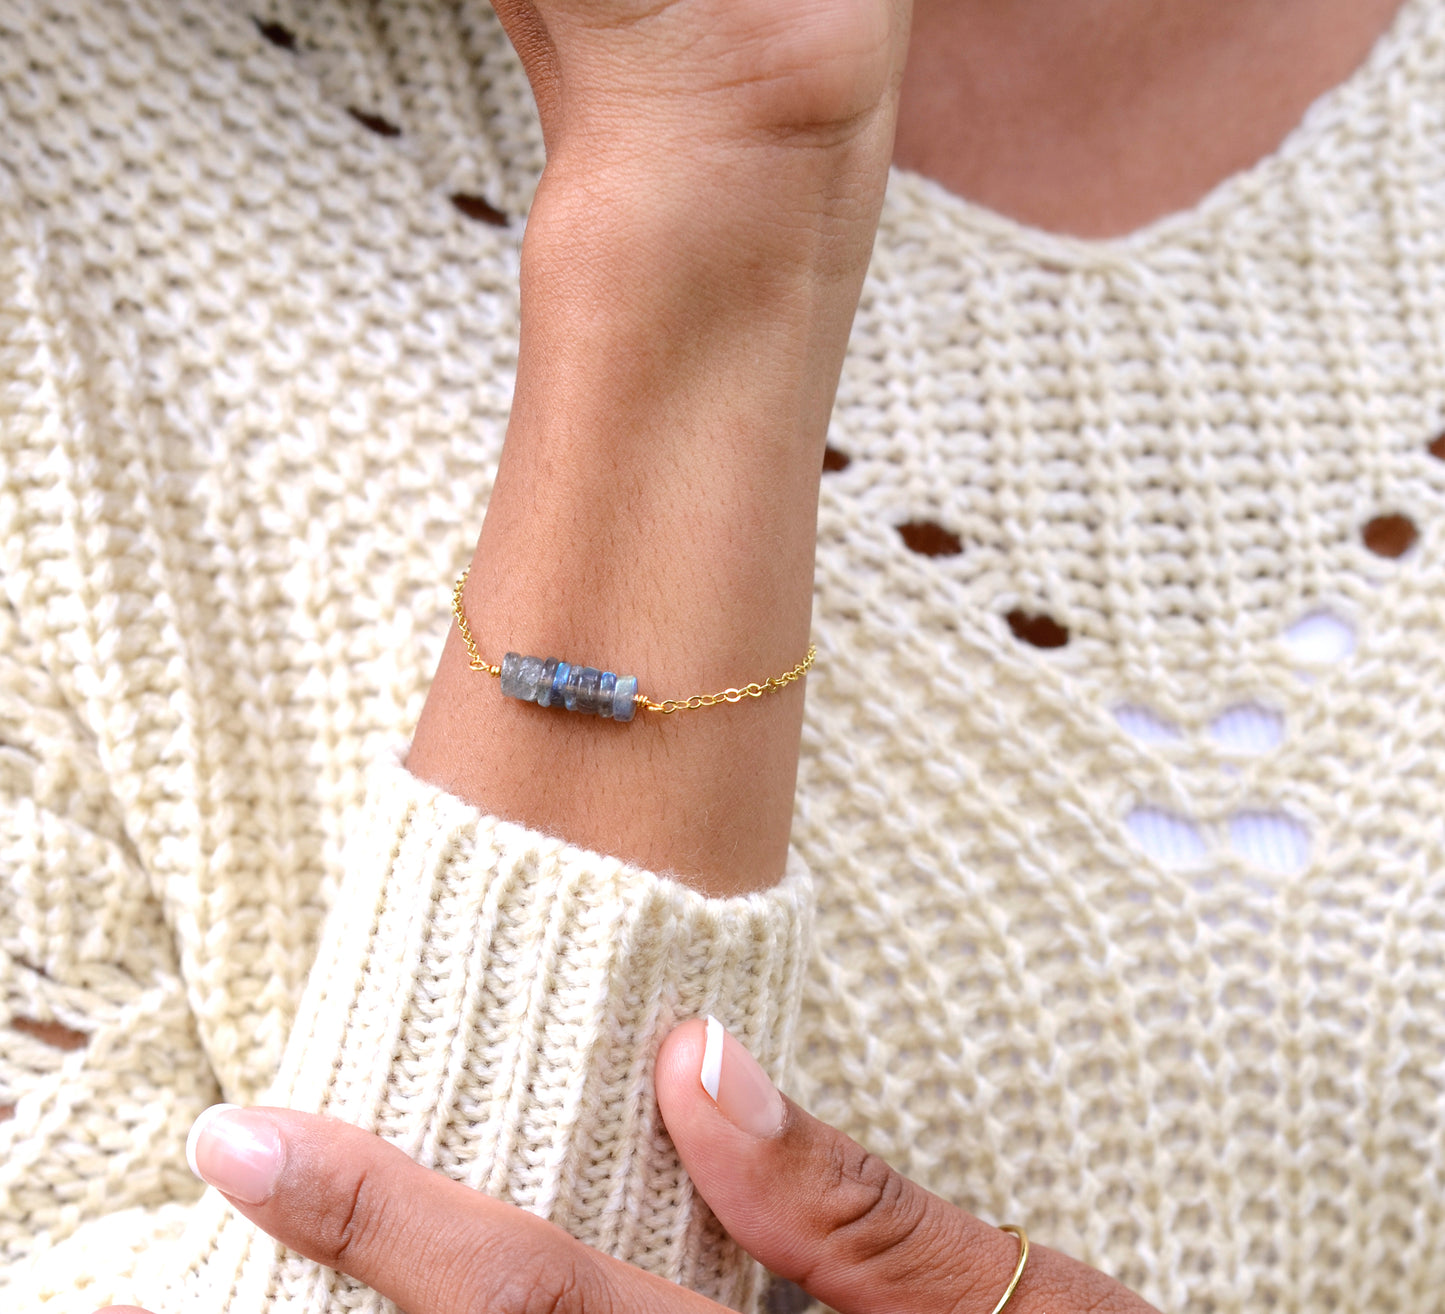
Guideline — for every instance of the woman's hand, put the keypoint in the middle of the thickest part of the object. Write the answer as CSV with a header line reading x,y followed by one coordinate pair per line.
x,y
802,1198
661,85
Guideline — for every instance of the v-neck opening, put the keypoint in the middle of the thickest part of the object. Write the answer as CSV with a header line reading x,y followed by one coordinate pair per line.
x,y
1329,113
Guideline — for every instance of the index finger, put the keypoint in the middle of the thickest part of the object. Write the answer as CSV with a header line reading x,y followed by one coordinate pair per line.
x,y
352,1202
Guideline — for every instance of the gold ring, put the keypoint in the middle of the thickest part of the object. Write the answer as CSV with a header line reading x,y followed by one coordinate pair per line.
x,y
1018,1268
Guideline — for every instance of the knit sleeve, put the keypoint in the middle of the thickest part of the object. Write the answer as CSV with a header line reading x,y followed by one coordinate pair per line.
x,y
101,1065
491,1000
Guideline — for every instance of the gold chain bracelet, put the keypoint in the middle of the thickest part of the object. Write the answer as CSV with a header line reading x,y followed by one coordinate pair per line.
x,y
549,682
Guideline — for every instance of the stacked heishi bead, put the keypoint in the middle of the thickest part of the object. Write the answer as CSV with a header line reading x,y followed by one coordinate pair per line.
x,y
552,683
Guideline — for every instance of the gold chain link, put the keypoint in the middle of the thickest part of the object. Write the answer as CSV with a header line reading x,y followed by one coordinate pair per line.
x,y
666,706
669,705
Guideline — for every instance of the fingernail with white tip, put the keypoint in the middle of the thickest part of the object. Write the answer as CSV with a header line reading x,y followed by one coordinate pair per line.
x,y
738,1085
238,1151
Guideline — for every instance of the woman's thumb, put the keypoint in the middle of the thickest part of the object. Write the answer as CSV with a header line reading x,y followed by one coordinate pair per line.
x,y
808,1202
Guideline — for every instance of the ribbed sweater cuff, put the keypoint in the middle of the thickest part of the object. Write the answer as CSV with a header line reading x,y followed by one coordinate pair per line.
x,y
491,1000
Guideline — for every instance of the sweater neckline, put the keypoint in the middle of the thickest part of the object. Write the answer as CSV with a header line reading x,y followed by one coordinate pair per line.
x,y
1327,116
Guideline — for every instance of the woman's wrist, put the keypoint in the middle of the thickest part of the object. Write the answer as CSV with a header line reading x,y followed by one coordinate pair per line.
x,y
708,253
654,511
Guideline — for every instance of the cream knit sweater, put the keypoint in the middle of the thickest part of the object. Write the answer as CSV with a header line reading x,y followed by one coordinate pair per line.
x,y
1118,897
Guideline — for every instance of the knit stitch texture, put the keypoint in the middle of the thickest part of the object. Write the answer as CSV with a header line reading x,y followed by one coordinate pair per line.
x,y
1123,757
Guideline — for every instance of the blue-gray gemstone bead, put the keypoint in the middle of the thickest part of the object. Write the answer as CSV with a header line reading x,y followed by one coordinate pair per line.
x,y
624,696
557,696
511,672
545,681
588,683
530,677
520,675
573,689
605,690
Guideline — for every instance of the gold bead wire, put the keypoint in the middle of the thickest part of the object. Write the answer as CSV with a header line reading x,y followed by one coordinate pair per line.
x,y
475,660
666,706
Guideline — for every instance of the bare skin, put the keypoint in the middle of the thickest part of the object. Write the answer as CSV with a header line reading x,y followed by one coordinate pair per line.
x,y
1096,118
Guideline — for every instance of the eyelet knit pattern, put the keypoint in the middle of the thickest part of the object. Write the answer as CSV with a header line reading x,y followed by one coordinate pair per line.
x,y
255,365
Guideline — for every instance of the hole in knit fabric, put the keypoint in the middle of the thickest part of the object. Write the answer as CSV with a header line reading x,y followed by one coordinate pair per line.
x,y
1038,629
1146,724
1320,637
786,1297
278,34
7,1111
1171,840
1437,448
834,460
479,208
1248,728
375,123
1271,840
930,538
1390,536
50,1033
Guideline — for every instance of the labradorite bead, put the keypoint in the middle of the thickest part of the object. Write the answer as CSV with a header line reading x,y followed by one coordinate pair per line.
x,y
520,675
511,670
605,688
624,696
587,681
545,679
558,695
530,677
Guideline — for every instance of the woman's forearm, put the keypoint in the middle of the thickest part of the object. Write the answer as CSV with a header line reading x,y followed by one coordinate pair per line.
x,y
653,514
